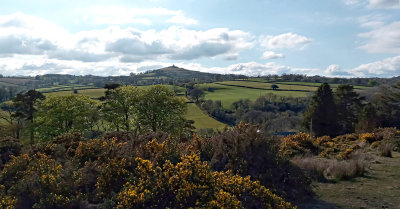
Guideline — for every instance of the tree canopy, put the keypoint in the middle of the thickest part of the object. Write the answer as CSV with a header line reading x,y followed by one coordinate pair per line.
x,y
64,113
159,109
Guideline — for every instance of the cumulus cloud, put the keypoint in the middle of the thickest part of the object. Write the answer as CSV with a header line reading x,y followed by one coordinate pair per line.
x,y
254,69
388,67
272,55
23,34
383,39
336,70
284,41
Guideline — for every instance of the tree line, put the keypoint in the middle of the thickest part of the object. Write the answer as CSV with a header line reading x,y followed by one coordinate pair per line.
x,y
124,108
345,111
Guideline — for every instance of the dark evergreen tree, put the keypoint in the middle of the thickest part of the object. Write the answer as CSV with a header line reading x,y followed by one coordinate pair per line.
x,y
348,104
322,113
368,119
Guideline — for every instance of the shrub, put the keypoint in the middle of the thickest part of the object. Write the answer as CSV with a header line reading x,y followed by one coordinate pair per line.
x,y
368,137
8,147
191,183
322,140
245,150
299,144
6,201
37,182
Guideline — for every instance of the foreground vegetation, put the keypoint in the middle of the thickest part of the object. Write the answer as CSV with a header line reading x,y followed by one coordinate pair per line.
x,y
152,170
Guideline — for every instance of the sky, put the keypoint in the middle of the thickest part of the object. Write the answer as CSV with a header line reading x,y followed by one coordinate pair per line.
x,y
336,38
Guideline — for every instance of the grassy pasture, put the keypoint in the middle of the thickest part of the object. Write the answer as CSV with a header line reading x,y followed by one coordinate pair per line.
x,y
297,83
71,87
268,85
92,93
230,94
201,119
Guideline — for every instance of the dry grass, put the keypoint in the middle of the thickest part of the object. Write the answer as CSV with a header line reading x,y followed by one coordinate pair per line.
x,y
385,150
378,188
324,169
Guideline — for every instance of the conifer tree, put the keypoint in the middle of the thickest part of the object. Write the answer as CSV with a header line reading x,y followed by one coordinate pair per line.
x,y
322,113
348,103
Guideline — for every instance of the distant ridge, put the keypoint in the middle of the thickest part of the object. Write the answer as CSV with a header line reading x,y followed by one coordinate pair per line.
x,y
177,73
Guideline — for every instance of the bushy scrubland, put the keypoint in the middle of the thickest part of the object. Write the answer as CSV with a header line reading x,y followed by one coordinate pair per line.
x,y
239,168
341,157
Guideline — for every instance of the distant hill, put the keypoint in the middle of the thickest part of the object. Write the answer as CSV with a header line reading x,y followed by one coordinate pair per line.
x,y
183,75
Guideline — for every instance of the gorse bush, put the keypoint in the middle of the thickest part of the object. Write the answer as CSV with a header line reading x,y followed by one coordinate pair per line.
x,y
8,147
245,150
191,183
128,171
298,144
36,181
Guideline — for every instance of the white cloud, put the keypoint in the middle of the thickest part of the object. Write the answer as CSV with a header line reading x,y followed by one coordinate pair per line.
x,y
336,71
388,67
351,2
118,15
26,35
374,4
272,55
284,41
372,20
180,19
383,39
249,68
392,4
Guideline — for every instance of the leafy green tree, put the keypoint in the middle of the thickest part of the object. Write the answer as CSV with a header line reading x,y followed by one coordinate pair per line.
x,y
25,107
322,113
120,105
65,113
160,110
196,94
348,103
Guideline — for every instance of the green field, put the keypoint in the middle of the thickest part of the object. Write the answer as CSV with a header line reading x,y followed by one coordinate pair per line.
x,y
92,93
296,83
230,94
268,85
201,119
70,87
